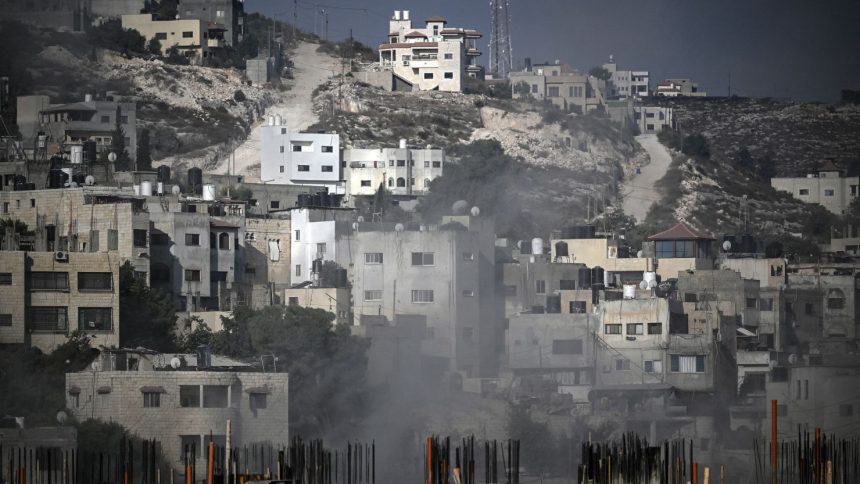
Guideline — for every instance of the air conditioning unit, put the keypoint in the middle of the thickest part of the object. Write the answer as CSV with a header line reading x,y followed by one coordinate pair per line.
x,y
61,256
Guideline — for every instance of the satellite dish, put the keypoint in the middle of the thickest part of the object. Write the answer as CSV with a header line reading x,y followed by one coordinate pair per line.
x,y
360,219
652,284
460,207
175,190
639,254
399,228
355,226
73,184
727,245
792,359
90,180
112,157
475,211
62,417
643,285
95,366
175,363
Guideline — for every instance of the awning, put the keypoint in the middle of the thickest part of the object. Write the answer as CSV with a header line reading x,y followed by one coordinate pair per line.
x,y
152,390
745,332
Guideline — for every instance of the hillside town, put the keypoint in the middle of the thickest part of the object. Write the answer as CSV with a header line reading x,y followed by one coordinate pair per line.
x,y
375,285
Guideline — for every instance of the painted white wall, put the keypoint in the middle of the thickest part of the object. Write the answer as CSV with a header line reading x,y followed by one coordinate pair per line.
x,y
317,161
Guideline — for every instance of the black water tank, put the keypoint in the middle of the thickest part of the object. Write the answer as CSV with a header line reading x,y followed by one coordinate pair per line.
x,y
91,152
561,249
341,278
57,178
317,266
18,182
79,178
553,304
597,275
304,200
325,199
316,200
336,200
195,181
584,279
748,244
164,174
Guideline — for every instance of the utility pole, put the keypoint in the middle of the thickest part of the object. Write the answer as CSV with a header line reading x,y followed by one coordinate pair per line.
x,y
325,18
295,18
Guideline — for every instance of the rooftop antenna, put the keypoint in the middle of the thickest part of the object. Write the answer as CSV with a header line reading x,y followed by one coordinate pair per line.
x,y
501,60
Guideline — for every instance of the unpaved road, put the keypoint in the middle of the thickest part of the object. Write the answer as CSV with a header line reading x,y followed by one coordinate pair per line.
x,y
639,192
311,69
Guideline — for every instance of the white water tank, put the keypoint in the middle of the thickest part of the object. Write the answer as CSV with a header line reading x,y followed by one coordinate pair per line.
x,y
88,98
607,278
77,154
397,15
271,120
146,188
406,15
629,291
537,246
160,188
402,143
650,278
209,192
278,120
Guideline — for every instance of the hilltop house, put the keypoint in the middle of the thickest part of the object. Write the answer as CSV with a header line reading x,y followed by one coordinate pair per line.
x,y
560,85
625,83
828,187
194,38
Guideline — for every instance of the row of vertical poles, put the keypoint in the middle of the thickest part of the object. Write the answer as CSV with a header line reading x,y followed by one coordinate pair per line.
x,y
498,455
813,457
52,465
633,460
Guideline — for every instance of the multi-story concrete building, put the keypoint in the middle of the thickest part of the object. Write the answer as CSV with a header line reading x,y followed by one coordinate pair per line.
x,y
335,300
300,158
315,231
45,296
829,187
567,89
680,248
229,15
198,252
180,400
653,119
532,283
267,259
835,315
445,273
404,171
74,123
436,57
678,87
88,219
580,245
626,83
194,38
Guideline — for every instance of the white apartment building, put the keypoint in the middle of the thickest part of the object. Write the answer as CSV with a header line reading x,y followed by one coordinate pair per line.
x,y
300,158
436,57
404,171
313,238
626,83
829,188
653,119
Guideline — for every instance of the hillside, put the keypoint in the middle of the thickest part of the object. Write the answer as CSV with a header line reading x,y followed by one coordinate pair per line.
x,y
557,161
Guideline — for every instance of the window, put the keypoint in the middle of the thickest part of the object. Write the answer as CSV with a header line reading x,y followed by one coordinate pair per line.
x,y
327,169
95,319
688,364
669,249
401,162
806,389
577,307
428,75
327,149
612,329
189,396
365,183
655,328
567,347
797,393
846,410
49,281
161,35
123,119
297,148
304,167
5,278
468,293
765,304
534,88
468,256
567,284
449,75
48,318
321,248
187,35
634,328
215,396
653,366
552,91
192,239
448,56
828,192
752,302
373,295
293,301
835,299
373,258
105,119
422,259
422,295
151,399
298,235
275,204
298,270
224,241
187,443
95,281
804,191
437,164
810,309
540,287
139,237
219,13
622,364
282,150
257,401
192,275
5,320
32,203
401,182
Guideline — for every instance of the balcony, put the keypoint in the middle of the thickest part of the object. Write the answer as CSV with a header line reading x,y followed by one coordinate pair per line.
x,y
216,43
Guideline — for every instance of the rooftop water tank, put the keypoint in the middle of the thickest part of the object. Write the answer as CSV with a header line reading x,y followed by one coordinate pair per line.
x,y
537,246
629,291
208,191
146,188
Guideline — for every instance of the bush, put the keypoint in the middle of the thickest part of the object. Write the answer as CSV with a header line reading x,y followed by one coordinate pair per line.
x,y
239,96
695,145
154,46
110,35
176,58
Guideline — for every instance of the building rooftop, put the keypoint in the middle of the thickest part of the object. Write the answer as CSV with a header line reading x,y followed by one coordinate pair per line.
x,y
681,231
437,18
78,106
829,166
415,35
408,45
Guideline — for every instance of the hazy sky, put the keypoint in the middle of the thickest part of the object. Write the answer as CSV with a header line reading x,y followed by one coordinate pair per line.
x,y
788,48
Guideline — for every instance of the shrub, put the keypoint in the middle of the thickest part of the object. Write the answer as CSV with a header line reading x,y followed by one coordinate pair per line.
x,y
695,145
239,96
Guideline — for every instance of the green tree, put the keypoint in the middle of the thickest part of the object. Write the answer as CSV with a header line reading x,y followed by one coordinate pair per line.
x,y
154,46
166,9
148,315
174,56
523,88
695,145
144,158
123,160
601,73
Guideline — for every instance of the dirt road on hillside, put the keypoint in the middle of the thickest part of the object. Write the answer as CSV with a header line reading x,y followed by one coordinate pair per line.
x,y
639,191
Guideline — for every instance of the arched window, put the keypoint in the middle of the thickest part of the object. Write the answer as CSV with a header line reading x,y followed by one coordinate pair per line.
x,y
835,299
224,241
391,182
401,182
